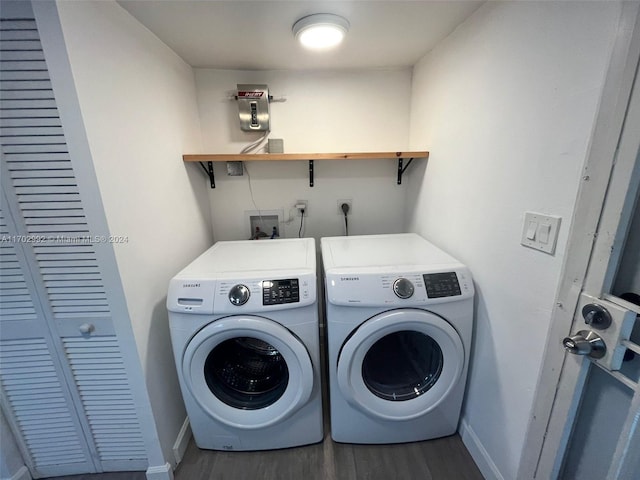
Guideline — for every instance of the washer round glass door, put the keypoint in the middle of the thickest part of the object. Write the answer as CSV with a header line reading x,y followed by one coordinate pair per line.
x,y
247,372
400,364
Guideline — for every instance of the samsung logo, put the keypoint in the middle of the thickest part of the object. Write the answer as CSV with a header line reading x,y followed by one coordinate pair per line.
x,y
190,285
349,279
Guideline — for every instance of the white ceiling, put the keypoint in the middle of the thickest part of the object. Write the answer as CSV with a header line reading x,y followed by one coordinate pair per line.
x,y
256,35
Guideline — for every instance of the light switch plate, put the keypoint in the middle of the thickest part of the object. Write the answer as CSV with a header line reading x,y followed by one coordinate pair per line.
x,y
545,228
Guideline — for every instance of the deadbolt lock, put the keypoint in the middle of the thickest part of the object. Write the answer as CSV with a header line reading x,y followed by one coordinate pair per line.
x,y
596,316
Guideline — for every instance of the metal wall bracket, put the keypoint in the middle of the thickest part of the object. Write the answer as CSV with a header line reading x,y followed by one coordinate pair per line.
x,y
402,170
402,166
209,171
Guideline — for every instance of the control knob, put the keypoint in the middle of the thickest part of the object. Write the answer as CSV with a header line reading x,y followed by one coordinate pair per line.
x,y
239,294
403,288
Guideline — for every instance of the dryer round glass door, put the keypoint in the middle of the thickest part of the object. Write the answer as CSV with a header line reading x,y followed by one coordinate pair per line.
x,y
400,364
247,372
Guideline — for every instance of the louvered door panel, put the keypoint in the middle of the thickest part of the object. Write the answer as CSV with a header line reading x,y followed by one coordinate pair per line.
x,y
108,404
56,243
44,182
32,387
16,304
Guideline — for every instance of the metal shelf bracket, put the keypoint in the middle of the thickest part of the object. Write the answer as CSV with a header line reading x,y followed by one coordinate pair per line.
x,y
209,171
401,170
310,157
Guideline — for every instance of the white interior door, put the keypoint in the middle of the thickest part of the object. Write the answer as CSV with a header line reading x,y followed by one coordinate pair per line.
x,y
587,406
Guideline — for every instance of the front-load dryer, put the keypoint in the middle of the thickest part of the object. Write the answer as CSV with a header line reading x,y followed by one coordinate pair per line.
x,y
399,327
244,329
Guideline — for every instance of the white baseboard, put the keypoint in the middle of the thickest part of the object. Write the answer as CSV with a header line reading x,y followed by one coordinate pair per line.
x,y
182,441
478,453
160,472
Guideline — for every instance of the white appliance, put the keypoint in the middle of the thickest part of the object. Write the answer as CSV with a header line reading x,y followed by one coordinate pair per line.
x,y
399,326
244,329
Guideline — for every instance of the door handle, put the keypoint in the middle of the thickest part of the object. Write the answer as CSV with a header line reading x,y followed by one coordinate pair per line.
x,y
585,342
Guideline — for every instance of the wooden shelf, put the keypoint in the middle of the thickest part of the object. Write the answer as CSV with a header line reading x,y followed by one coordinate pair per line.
x,y
256,157
310,157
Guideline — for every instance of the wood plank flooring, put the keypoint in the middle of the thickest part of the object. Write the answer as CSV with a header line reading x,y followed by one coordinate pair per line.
x,y
440,459
102,476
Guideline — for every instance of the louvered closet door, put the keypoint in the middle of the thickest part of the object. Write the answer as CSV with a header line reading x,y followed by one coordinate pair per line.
x,y
35,396
53,285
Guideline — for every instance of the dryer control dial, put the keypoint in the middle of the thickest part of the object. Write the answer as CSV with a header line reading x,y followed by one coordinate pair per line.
x,y
239,294
403,288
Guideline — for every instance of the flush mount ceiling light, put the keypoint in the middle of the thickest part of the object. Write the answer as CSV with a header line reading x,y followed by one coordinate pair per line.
x,y
320,31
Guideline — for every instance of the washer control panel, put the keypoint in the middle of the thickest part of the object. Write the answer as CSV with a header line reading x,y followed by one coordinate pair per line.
x,y
277,292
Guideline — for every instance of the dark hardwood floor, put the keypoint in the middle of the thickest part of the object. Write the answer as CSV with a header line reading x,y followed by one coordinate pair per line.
x,y
441,459
103,476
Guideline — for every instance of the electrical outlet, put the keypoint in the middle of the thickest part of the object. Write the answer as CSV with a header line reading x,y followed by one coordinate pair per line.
x,y
348,202
302,205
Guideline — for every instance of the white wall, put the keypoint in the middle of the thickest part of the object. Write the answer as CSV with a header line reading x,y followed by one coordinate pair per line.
x,y
506,105
138,102
324,112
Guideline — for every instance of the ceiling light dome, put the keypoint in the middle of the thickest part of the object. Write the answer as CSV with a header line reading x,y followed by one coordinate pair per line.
x,y
320,31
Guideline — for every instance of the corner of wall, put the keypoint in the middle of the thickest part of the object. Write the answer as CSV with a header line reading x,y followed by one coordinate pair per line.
x,y
479,454
154,117
182,441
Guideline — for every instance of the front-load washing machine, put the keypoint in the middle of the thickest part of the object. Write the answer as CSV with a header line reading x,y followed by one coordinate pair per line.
x,y
244,329
399,326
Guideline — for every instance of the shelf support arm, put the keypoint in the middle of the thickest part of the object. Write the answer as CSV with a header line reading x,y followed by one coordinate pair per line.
x,y
209,171
401,170
311,173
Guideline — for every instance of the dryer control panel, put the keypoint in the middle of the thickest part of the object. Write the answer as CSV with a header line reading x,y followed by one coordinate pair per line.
x,y
440,285
402,288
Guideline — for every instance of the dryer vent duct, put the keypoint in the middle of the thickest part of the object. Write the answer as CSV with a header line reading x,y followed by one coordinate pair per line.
x,y
253,107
